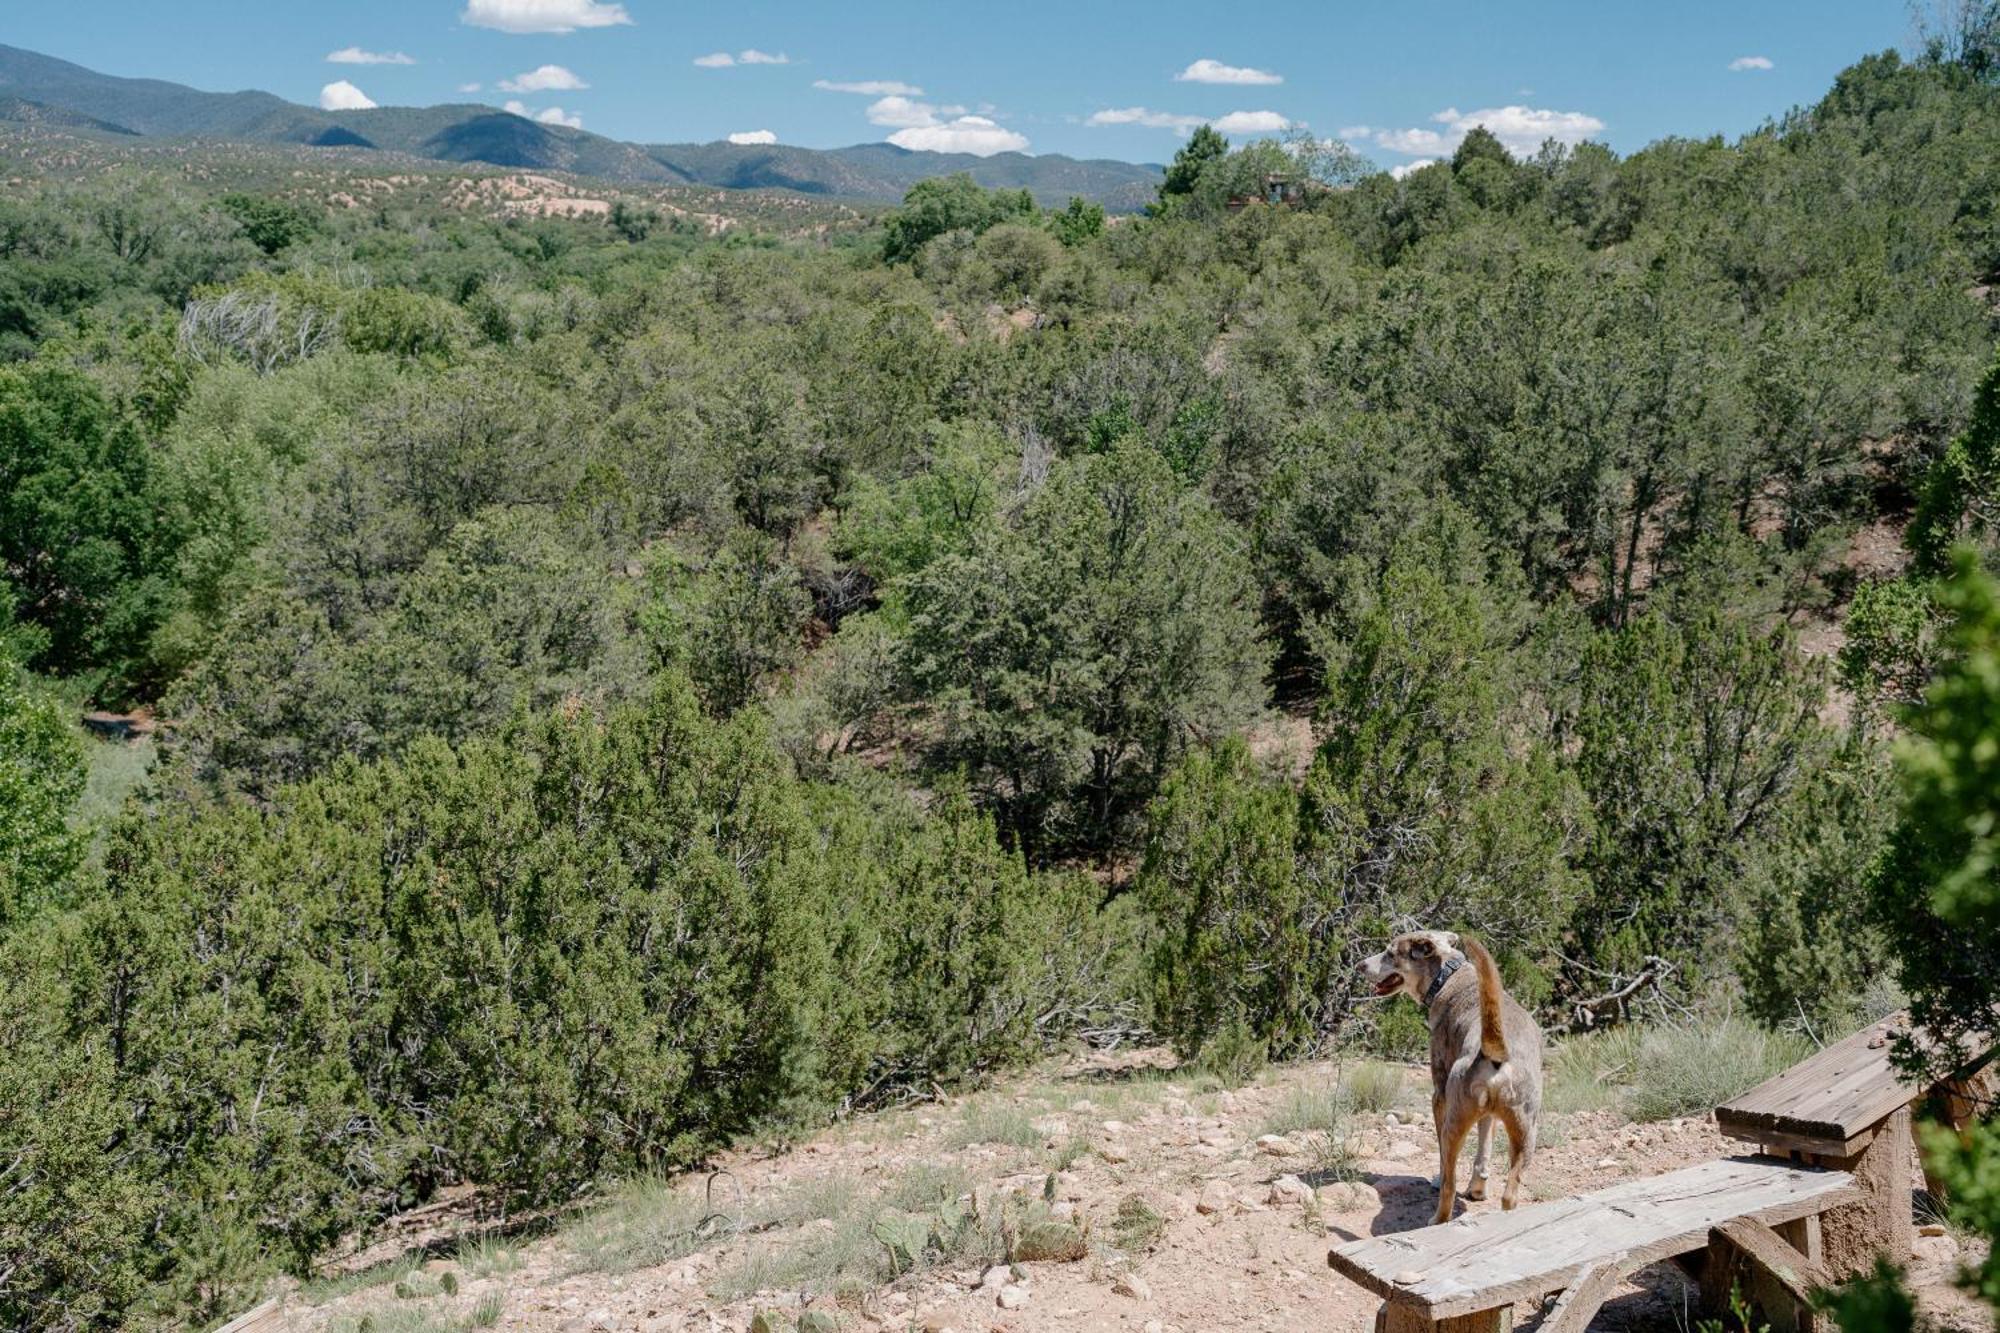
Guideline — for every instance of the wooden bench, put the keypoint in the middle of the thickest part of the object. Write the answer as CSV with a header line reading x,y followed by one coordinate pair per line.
x,y
1464,1276
1848,1108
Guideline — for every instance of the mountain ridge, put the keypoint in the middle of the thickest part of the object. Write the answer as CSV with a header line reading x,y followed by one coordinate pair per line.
x,y
42,88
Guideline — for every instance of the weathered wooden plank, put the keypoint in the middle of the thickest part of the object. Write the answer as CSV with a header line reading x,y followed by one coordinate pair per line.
x,y
1831,1096
1579,1305
1493,1258
1830,1101
258,1319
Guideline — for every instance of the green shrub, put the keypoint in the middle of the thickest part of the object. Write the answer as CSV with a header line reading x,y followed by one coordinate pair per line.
x,y
1691,1068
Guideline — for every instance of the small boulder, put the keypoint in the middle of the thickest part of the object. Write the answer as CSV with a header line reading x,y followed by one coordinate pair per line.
x,y
1289,1190
1276,1145
1351,1196
1215,1198
1132,1285
996,1277
1012,1298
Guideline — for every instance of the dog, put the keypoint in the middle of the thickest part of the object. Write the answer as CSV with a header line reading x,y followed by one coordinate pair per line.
x,y
1486,1053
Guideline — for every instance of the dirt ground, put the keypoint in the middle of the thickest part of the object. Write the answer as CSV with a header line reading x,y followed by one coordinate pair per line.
x,y
1250,1187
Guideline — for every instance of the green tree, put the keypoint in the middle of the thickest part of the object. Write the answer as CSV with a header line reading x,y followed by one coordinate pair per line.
x,y
1203,148
82,552
271,224
1074,653
41,777
1426,801
1080,221
949,203
1936,896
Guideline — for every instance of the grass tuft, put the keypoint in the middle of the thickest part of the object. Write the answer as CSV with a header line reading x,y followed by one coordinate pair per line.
x,y
996,1122
647,1221
1373,1086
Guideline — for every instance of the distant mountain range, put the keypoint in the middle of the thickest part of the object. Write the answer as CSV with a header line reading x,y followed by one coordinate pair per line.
x,y
43,90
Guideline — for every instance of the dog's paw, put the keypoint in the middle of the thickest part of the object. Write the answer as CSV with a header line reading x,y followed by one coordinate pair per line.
x,y
1475,1189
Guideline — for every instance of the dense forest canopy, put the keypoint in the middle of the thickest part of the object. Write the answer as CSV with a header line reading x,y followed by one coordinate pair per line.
x,y
624,685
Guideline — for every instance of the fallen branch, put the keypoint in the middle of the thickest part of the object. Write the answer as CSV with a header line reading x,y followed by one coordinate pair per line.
x,y
1587,1014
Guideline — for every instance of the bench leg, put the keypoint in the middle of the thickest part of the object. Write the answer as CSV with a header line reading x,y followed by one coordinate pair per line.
x,y
1880,1224
1402,1317
1776,1270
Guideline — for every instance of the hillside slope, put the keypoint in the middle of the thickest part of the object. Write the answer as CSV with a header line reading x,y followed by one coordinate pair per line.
x,y
35,87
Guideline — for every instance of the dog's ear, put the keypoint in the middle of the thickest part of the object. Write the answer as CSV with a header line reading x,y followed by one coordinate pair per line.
x,y
1422,948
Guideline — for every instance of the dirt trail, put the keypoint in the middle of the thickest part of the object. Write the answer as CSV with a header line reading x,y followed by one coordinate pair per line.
x,y
1247,1188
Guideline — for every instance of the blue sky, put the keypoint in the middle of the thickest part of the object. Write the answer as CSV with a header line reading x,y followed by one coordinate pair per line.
x,y
1094,78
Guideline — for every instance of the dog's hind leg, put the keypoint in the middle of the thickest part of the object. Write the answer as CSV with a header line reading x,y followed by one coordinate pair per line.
x,y
1520,1152
1456,1127
1475,1188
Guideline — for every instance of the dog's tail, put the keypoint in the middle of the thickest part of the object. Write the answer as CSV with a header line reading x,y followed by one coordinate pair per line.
x,y
1492,1036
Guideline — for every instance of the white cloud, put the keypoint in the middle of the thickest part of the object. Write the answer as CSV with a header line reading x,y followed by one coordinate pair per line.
x,y
1214,71
1406,168
1742,63
551,115
354,55
1145,116
753,137
557,16
1236,122
1520,130
545,79
967,134
1255,122
724,60
468,87
869,87
899,112
1356,131
344,96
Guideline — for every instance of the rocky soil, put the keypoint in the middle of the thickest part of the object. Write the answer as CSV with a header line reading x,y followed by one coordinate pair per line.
x,y
1165,1202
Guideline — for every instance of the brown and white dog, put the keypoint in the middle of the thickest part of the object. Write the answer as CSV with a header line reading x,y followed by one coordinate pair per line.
x,y
1486,1053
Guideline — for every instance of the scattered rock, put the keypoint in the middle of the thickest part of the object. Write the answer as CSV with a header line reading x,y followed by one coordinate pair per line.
x,y
1931,1229
1391,1119
1131,1284
1607,1161
1113,1154
1276,1145
1063,1211
1936,1249
996,1277
1215,1198
1012,1298
1351,1196
1399,1150
1289,1190
1114,1127
1409,1277
1216,1138
1153,1326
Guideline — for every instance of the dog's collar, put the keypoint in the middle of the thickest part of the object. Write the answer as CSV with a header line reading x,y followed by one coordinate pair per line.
x,y
1451,965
